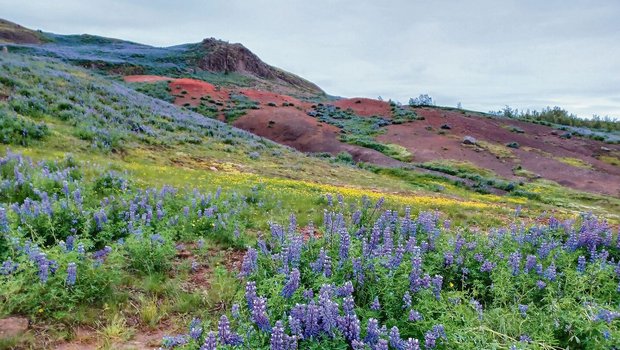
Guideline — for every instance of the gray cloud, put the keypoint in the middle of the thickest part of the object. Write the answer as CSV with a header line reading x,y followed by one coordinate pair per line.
x,y
483,53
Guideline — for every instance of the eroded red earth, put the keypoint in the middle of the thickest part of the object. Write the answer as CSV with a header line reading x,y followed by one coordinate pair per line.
x,y
284,119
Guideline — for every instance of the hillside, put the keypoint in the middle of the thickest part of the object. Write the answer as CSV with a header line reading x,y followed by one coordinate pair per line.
x,y
211,59
194,197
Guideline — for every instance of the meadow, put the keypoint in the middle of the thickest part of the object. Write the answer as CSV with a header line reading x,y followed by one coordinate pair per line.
x,y
125,215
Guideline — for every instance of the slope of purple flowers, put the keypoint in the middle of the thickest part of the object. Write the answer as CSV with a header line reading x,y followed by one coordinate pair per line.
x,y
106,114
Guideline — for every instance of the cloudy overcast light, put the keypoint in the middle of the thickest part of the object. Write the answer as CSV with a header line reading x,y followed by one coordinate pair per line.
x,y
484,53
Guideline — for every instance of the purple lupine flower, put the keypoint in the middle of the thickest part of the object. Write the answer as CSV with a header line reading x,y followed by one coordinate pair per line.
x,y
375,306
295,325
69,243
308,294
8,267
311,320
448,259
356,218
395,341
210,342
607,316
372,332
523,309
430,338
292,284
358,345
382,344
169,342
349,326
345,290
195,329
71,273
328,310
278,338
541,284
524,338
259,314
437,283
379,203
235,311
415,316
412,344
227,337
581,264
550,272
345,242
487,266
348,305
319,263
327,267
358,271
250,294
478,257
250,263
514,261
477,306
43,265
406,300
330,199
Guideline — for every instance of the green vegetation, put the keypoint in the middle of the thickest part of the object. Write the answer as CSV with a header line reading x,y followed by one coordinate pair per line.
x,y
159,89
361,131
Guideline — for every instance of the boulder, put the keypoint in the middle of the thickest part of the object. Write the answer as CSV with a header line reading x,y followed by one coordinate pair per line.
x,y
469,140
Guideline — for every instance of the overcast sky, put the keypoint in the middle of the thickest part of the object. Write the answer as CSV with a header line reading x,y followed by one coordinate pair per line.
x,y
483,53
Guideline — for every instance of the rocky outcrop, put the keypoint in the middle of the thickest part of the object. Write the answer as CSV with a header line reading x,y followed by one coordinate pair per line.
x,y
220,56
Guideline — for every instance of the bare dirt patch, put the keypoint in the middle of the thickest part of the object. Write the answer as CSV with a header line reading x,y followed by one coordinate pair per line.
x,y
538,152
365,107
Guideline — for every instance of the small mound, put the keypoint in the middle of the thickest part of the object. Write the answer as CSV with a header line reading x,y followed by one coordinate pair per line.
x,y
365,107
145,78
191,90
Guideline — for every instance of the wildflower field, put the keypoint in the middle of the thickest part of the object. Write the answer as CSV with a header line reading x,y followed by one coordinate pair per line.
x,y
121,216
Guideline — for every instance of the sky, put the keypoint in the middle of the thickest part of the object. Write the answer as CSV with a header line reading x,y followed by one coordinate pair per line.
x,y
483,53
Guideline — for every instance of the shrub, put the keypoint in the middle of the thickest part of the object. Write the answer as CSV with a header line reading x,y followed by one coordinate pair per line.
x,y
18,130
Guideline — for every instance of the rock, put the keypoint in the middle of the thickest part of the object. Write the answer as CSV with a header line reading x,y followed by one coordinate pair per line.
x,y
213,168
5,49
469,140
513,145
12,327
605,149
446,127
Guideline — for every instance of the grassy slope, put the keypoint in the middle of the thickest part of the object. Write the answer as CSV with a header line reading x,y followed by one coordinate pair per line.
x,y
163,152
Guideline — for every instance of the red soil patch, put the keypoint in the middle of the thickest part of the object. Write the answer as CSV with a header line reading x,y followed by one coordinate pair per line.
x,y
191,90
293,127
265,97
538,148
365,107
145,78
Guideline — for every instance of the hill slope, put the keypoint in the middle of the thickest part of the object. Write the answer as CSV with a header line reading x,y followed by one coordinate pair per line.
x,y
232,64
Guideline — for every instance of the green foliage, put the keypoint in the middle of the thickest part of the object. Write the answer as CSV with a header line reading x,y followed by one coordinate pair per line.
x,y
159,89
557,115
19,130
149,253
